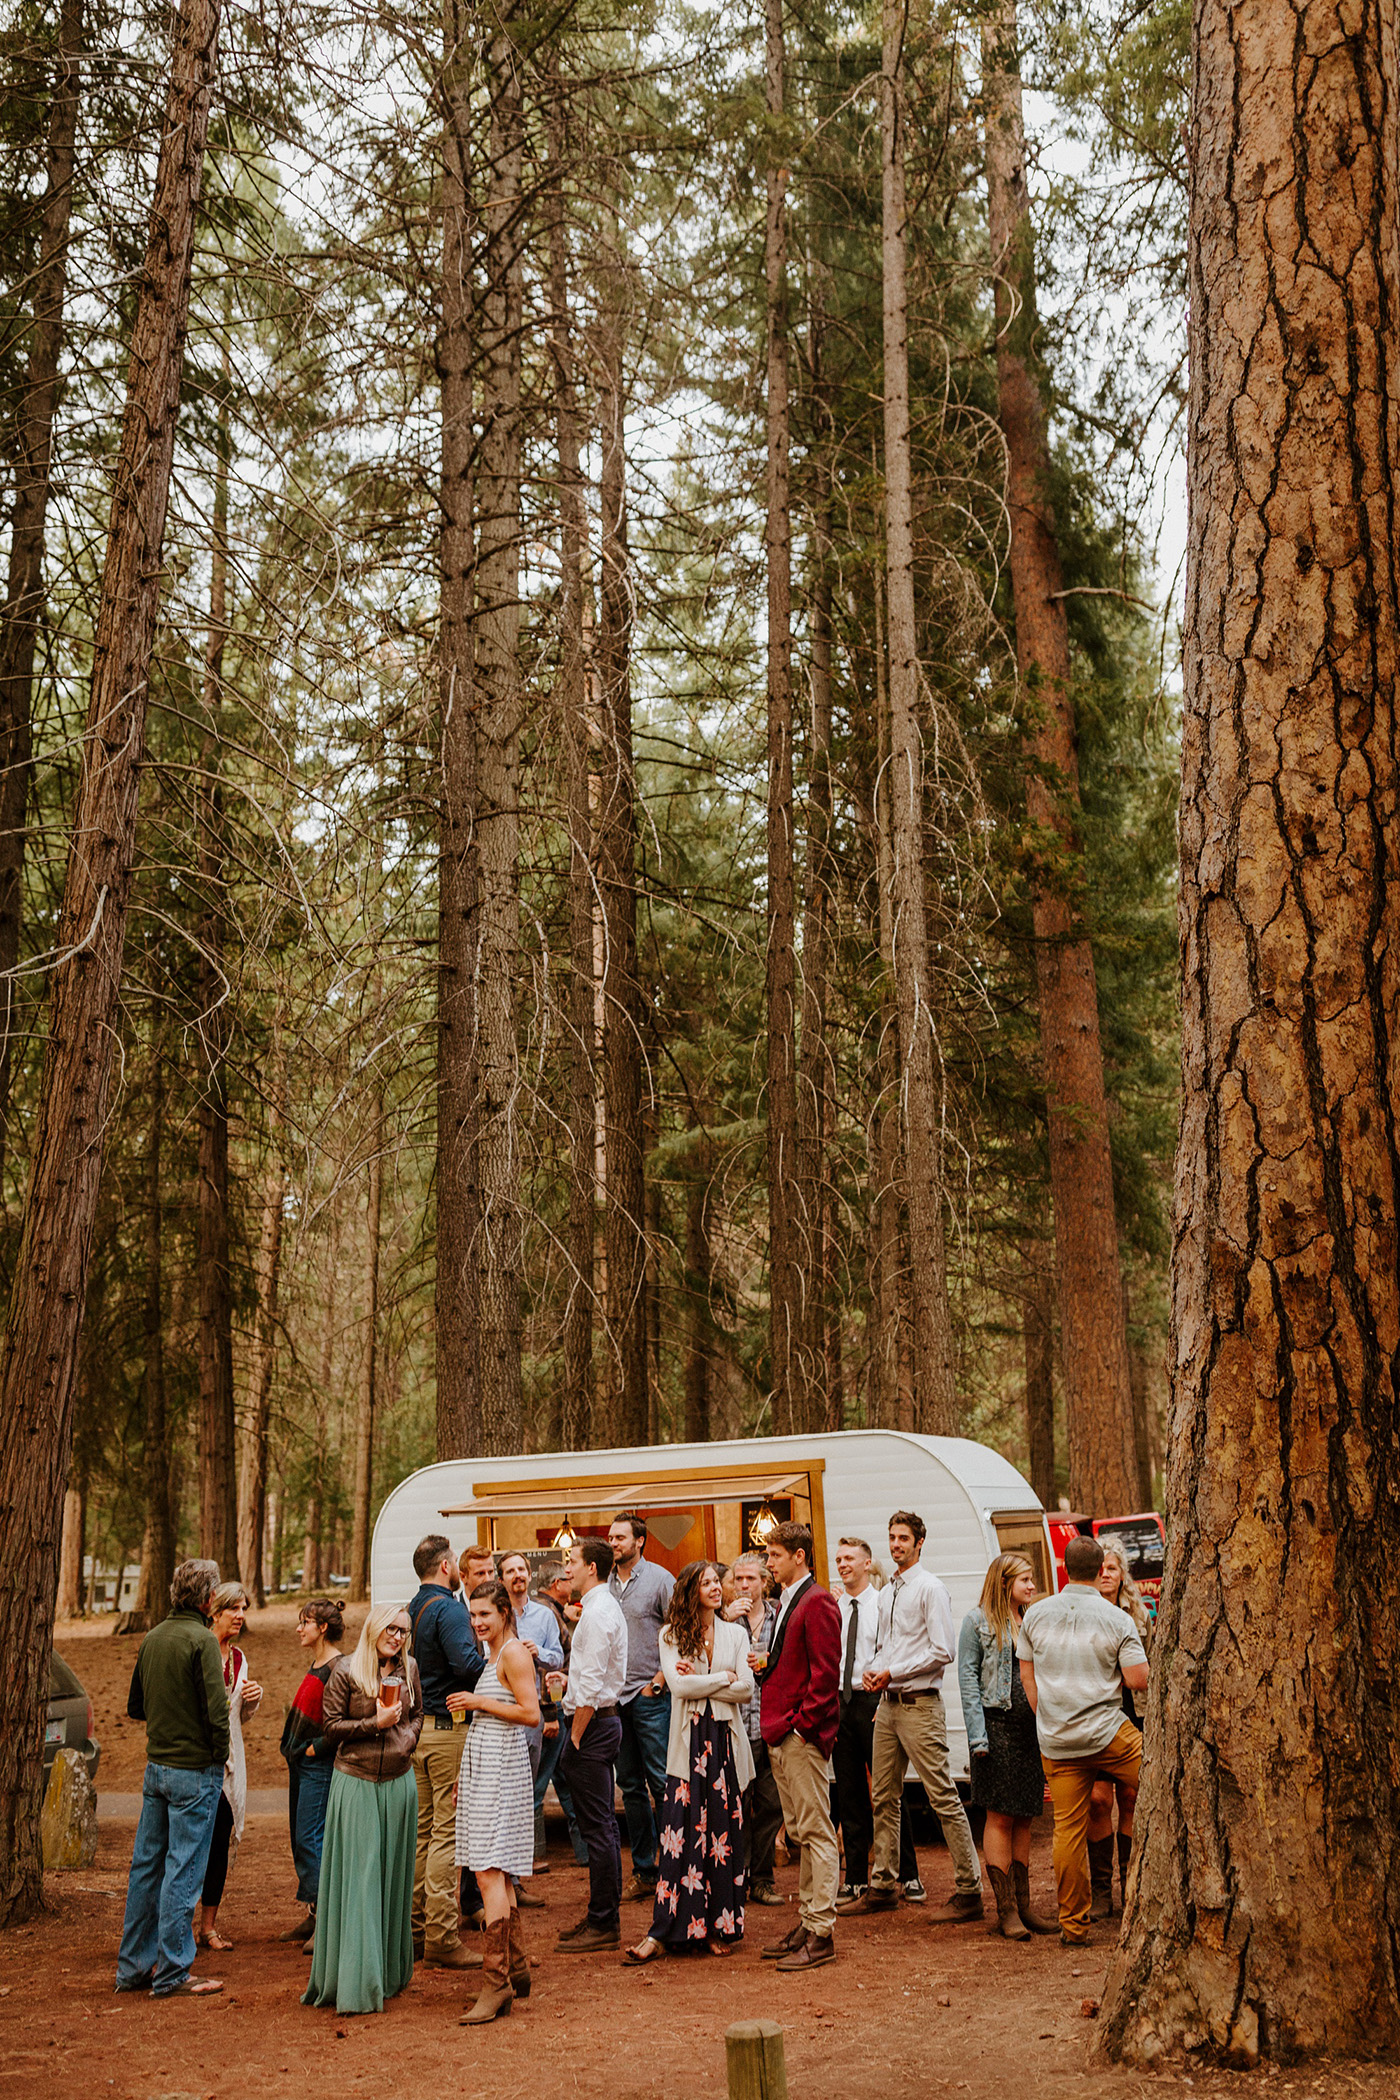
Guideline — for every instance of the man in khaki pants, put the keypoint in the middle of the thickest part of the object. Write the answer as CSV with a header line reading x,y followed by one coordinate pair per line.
x,y
799,1720
914,1645
448,1660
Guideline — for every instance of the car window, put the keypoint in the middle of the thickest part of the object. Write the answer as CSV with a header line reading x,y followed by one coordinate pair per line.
x,y
62,1683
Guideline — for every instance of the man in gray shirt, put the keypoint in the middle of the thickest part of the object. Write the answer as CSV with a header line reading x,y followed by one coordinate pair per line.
x,y
1077,1652
644,1592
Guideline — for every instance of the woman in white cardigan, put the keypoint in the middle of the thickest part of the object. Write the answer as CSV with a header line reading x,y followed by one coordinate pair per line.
x,y
700,1847
229,1610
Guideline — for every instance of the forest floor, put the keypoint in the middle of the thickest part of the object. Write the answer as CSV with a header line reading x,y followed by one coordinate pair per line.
x,y
908,2008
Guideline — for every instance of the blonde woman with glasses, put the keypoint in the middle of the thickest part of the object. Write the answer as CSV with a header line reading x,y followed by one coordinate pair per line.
x,y
1008,1780
373,1714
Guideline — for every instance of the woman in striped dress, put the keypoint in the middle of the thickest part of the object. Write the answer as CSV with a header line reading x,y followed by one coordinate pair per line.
x,y
496,1795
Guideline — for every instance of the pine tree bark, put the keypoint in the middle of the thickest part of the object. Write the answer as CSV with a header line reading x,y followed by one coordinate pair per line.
x,y
789,1237
46,1302
576,1412
252,1485
218,1462
891,1396
699,1288
71,1594
500,1407
458,1209
369,1375
24,591
921,1105
1262,1923
821,1349
158,1545
1094,1348
1038,1357
616,851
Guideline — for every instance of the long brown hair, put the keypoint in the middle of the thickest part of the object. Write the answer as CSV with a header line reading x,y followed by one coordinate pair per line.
x,y
995,1599
683,1620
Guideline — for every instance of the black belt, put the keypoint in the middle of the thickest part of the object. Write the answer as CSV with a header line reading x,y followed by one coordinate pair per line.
x,y
604,1713
911,1698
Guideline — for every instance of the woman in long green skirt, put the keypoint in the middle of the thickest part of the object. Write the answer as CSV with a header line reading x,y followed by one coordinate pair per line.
x,y
363,1949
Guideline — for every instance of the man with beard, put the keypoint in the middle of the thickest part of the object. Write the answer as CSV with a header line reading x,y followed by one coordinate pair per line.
x,y
448,1660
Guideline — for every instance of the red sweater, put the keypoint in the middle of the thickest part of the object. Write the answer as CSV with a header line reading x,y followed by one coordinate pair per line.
x,y
801,1688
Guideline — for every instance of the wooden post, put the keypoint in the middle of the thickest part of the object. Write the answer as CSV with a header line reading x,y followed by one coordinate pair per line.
x,y
753,2051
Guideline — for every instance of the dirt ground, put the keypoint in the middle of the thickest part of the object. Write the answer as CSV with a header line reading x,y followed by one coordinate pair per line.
x,y
907,2008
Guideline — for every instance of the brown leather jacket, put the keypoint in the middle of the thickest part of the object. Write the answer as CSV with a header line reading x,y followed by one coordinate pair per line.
x,y
362,1749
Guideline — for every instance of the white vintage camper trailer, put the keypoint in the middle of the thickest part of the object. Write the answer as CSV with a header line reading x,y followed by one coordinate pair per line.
x,y
711,1500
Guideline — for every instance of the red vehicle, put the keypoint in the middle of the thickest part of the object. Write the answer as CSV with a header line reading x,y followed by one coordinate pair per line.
x,y
1143,1534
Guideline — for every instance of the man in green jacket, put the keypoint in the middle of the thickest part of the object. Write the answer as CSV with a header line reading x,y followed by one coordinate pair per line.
x,y
177,1689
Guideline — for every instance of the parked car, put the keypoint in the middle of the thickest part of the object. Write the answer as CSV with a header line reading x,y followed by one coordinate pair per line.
x,y
69,1722
1143,1534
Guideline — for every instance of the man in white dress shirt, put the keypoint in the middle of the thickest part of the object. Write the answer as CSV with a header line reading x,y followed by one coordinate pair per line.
x,y
915,1644
597,1673
859,1603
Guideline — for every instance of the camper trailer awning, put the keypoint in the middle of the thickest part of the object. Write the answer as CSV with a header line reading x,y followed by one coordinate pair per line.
x,y
632,1494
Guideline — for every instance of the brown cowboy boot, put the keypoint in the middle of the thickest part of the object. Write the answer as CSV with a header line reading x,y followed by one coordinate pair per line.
x,y
1029,1915
519,1959
496,1993
1101,1878
1008,1922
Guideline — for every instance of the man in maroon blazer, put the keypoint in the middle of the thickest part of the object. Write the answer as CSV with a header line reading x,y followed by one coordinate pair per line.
x,y
800,1716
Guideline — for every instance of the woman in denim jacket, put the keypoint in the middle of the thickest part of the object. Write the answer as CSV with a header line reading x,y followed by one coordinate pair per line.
x,y
1008,1780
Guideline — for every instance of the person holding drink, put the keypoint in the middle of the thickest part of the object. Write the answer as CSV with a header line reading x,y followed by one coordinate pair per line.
x,y
593,1735
495,1795
372,1714
700,1887
754,1610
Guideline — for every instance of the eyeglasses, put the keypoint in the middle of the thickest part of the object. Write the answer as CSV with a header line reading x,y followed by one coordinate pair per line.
x,y
396,1633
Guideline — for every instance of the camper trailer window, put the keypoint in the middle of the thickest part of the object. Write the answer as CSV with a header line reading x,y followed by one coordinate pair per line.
x,y
1023,1531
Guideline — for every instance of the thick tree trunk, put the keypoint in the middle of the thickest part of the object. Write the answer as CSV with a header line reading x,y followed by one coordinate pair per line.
x,y
1098,1398
1264,1918
1038,1356
218,1463
158,1549
252,1485
815,1101
576,1412
789,1235
458,1210
24,592
500,1407
616,847
1142,1430
921,1104
71,1595
46,1302
369,1375
699,1288
890,1396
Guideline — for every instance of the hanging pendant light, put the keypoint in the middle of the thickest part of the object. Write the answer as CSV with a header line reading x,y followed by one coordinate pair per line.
x,y
565,1538
765,1523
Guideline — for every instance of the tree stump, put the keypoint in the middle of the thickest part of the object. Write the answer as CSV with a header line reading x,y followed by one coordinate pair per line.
x,y
753,2052
68,1820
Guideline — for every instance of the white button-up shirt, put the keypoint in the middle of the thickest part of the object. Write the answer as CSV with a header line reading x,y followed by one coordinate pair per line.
x,y
866,1608
785,1598
916,1641
598,1656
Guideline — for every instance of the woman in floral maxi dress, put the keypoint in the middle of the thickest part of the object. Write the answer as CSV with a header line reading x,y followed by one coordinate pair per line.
x,y
700,1888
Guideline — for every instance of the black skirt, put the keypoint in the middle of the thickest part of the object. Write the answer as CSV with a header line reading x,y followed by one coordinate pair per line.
x,y
1010,1779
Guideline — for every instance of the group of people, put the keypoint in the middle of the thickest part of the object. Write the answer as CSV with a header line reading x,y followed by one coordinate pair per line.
x,y
726,1705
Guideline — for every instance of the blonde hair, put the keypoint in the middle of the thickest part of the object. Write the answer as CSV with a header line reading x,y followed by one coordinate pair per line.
x,y
1130,1597
995,1599
227,1597
364,1663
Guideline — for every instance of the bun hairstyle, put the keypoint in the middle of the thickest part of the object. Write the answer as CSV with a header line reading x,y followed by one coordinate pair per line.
x,y
326,1613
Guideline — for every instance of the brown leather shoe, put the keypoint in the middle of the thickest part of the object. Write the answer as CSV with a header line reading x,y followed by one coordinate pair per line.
x,y
458,1957
635,1890
527,1899
594,1941
819,1948
958,1909
872,1900
788,1944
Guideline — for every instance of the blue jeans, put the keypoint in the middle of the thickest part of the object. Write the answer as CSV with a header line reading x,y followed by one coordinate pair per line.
x,y
308,1791
641,1774
167,1872
549,1769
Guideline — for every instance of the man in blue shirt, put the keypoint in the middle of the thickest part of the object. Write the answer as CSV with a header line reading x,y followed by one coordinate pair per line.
x,y
448,1660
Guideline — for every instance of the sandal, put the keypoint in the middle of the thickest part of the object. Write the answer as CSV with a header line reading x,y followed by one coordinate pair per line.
x,y
635,1959
725,1947
192,1987
216,1943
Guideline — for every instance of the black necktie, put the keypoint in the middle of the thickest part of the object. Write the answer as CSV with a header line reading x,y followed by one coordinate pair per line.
x,y
852,1629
